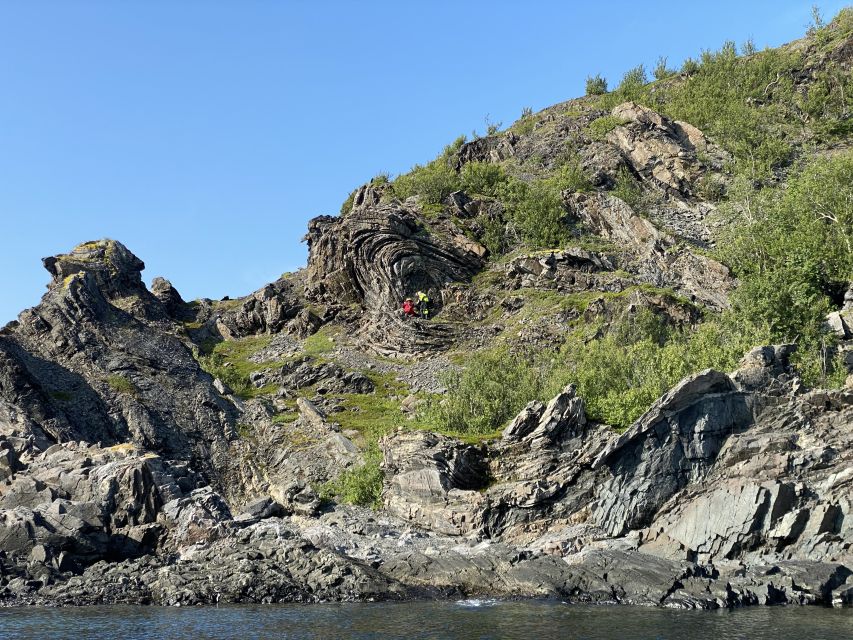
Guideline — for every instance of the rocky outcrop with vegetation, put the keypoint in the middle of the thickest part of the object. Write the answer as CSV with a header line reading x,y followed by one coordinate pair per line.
x,y
633,386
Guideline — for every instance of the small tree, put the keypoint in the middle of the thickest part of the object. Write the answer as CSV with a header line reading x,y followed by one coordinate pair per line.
x,y
661,71
635,77
817,21
596,85
690,67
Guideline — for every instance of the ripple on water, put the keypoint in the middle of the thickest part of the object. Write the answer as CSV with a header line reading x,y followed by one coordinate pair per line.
x,y
480,619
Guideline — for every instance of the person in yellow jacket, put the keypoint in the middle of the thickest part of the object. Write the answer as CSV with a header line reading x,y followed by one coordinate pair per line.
x,y
423,304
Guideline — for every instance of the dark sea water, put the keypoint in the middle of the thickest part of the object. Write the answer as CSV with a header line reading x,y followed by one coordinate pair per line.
x,y
416,620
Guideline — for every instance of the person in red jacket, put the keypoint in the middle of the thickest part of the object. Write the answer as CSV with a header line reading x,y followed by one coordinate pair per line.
x,y
409,308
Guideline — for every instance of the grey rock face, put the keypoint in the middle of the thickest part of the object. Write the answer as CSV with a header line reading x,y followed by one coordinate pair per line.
x,y
169,297
657,258
662,150
267,310
718,471
433,481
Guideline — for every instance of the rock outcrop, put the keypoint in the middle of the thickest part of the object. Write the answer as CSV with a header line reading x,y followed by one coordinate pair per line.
x,y
656,256
379,254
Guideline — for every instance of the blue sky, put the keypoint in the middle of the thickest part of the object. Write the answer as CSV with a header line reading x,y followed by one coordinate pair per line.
x,y
204,134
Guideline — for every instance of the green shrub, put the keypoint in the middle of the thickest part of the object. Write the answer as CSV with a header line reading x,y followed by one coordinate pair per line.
x,y
793,254
491,389
525,126
661,72
434,181
690,66
628,190
361,485
494,234
596,85
633,82
621,374
346,205
631,88
535,209
122,385
482,178
828,104
600,127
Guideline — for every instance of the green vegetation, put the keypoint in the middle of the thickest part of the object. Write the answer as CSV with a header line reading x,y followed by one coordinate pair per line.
x,y
482,178
632,87
320,343
434,181
619,374
596,85
600,127
229,361
373,415
622,373
121,385
490,390
628,190
535,208
360,485
661,71
791,249
525,125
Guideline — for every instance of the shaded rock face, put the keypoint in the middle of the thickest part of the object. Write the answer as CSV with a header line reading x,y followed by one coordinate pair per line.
x,y
433,481
169,297
98,360
74,504
673,444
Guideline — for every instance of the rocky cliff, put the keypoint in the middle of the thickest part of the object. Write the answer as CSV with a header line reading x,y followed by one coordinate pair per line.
x,y
154,450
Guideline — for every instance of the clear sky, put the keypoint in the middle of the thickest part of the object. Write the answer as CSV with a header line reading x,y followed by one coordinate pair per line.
x,y
205,134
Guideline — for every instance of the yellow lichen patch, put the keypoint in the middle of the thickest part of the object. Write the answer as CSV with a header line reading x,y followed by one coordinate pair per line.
x,y
88,246
66,282
125,447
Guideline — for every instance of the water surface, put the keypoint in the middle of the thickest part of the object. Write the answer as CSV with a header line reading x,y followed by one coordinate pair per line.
x,y
471,619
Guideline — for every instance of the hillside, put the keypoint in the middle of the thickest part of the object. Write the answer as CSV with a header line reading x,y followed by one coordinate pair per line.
x,y
633,385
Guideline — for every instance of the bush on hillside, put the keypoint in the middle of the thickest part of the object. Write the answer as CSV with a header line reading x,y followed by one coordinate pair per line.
x,y
434,181
661,71
793,252
482,178
596,85
491,389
